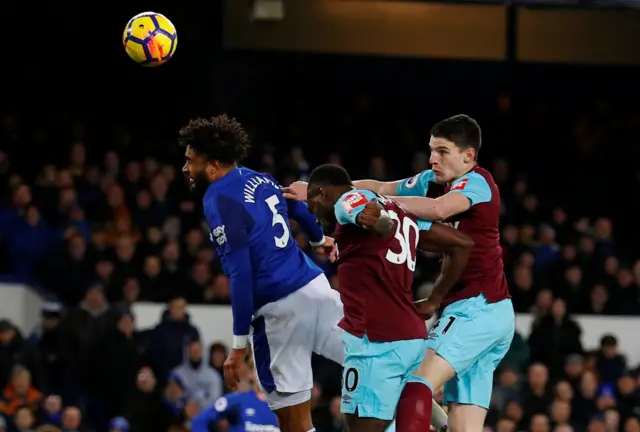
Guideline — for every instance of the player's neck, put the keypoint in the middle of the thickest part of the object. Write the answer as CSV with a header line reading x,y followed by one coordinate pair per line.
x,y
339,191
223,171
465,169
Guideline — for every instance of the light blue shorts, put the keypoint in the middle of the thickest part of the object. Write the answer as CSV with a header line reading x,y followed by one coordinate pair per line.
x,y
375,374
473,336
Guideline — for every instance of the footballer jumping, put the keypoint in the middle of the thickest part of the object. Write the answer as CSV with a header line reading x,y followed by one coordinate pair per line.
x,y
477,324
385,335
275,288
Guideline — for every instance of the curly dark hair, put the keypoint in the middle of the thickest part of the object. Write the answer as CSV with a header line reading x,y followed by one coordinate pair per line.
x,y
220,138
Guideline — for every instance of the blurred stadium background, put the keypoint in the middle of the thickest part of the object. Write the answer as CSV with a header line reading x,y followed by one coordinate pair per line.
x,y
103,248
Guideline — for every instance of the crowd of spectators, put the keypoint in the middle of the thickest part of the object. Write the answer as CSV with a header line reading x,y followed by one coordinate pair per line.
x,y
102,230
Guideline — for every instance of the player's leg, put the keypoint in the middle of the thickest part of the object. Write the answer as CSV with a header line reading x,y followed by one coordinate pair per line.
x,y
469,393
416,401
463,417
282,351
373,378
416,405
328,336
364,424
439,419
455,342
295,418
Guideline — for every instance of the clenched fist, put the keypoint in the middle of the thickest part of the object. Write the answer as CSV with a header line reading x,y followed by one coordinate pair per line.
x,y
370,215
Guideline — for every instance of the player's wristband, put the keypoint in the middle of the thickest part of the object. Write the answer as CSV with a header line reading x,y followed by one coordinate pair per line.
x,y
318,243
240,342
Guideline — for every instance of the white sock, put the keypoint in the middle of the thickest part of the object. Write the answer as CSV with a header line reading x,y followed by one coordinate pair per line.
x,y
439,417
312,430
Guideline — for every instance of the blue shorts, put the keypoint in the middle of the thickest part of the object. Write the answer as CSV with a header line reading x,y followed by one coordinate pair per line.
x,y
473,336
375,374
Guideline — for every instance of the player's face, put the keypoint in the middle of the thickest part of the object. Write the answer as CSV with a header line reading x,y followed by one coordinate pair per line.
x,y
447,160
195,169
321,206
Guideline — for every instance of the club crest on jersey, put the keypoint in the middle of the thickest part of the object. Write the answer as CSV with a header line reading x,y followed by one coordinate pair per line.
x,y
461,185
221,404
218,235
353,201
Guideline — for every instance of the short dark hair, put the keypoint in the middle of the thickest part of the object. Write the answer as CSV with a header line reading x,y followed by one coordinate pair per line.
x,y
329,175
461,130
608,340
219,138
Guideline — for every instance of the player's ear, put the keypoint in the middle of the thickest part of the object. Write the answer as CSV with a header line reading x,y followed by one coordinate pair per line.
x,y
212,169
469,155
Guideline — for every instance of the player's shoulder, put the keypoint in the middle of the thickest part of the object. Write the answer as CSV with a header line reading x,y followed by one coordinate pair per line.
x,y
353,199
476,178
256,187
479,172
223,403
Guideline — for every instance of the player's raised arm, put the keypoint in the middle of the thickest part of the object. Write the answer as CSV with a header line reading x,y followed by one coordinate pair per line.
x,y
299,212
298,190
234,237
456,247
382,188
349,210
469,190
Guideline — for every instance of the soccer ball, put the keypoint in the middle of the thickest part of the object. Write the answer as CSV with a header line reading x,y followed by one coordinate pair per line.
x,y
150,39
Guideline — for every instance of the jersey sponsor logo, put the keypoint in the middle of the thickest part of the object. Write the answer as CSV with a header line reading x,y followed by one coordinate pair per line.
x,y
252,427
460,185
353,201
221,404
218,235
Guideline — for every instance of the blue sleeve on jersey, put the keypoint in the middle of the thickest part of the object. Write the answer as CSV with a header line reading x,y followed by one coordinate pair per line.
x,y
424,225
217,411
346,213
474,187
418,185
237,223
299,212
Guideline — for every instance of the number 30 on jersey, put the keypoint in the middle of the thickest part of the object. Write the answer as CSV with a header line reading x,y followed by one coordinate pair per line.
x,y
403,235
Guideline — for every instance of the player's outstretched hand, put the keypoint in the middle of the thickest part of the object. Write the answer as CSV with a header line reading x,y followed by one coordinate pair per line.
x,y
297,191
328,248
233,366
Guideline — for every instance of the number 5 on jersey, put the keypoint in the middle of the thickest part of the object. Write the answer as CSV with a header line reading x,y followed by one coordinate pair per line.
x,y
277,219
407,253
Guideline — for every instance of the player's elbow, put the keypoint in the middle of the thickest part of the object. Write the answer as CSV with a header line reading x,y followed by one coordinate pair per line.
x,y
465,242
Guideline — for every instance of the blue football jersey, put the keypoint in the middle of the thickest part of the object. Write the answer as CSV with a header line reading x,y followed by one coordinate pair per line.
x,y
249,222
244,411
